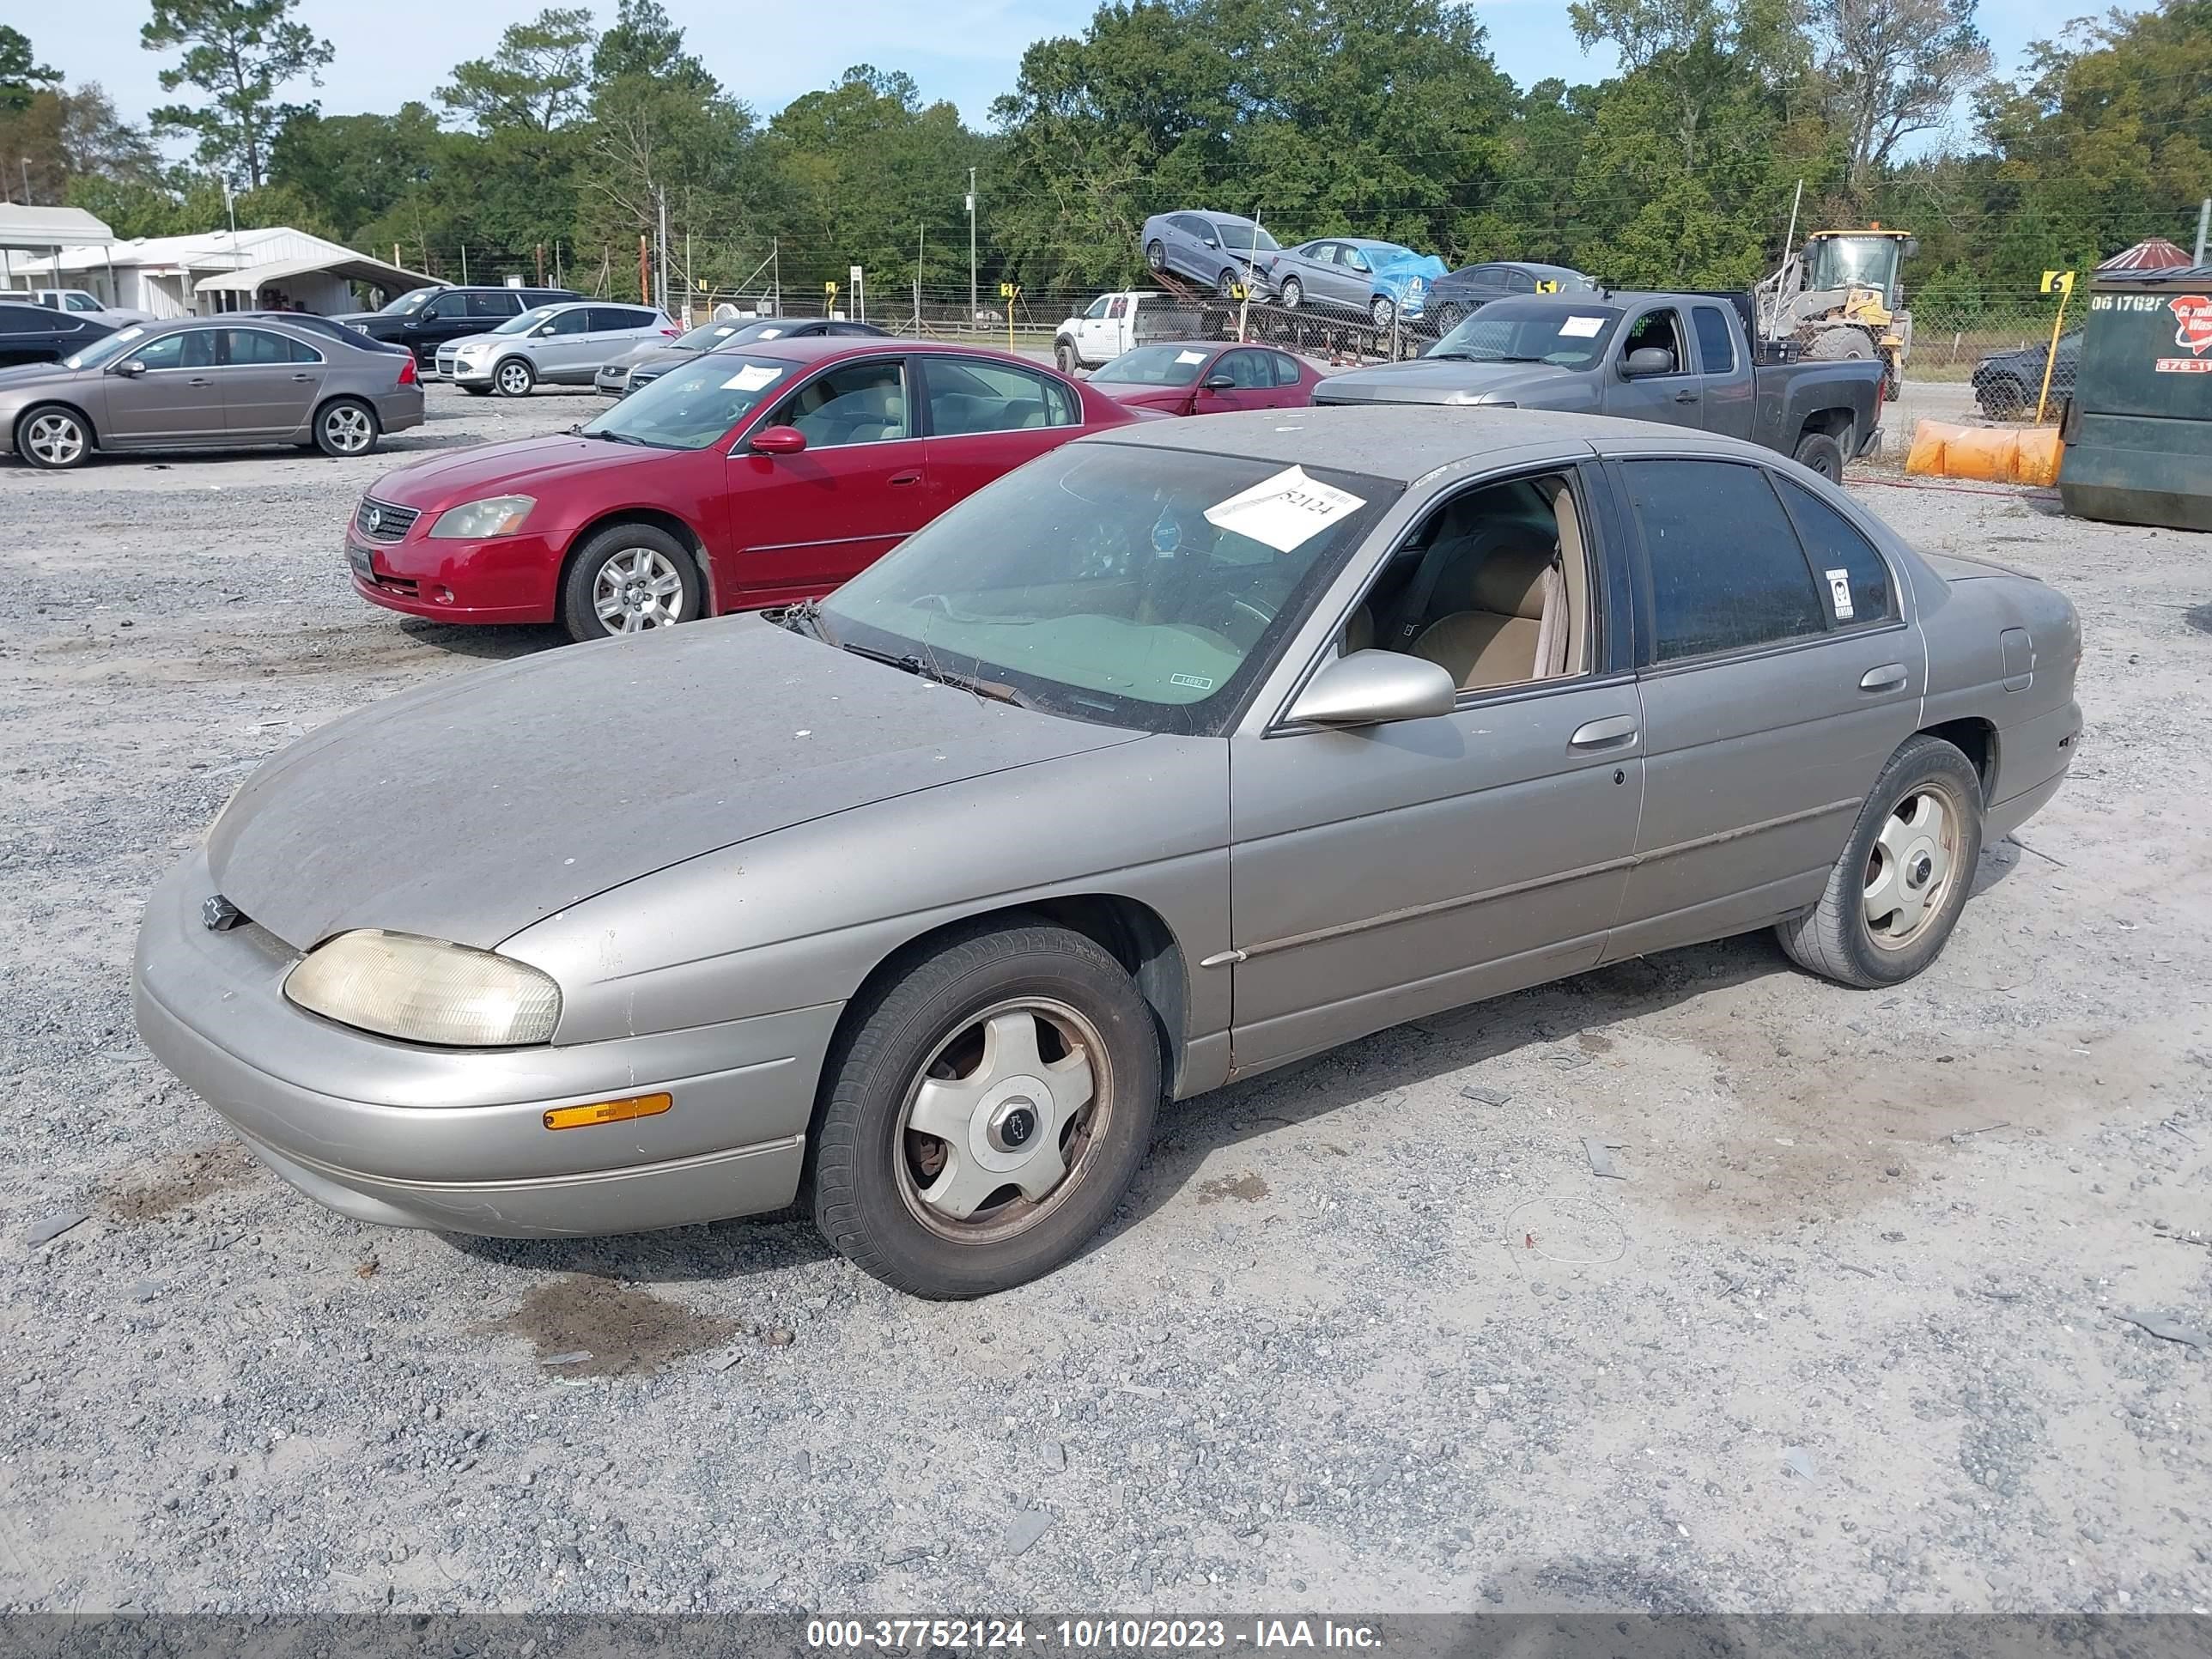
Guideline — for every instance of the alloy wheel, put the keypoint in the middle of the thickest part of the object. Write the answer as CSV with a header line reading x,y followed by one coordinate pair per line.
x,y
513,379
348,428
56,439
1910,868
636,589
998,1125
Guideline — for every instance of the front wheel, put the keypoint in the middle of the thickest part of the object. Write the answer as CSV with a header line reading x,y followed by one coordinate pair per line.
x,y
1896,893
53,438
1064,354
1382,310
1449,317
345,427
985,1113
515,378
628,579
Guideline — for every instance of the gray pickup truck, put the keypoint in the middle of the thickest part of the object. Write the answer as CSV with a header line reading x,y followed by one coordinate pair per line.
x,y
1680,359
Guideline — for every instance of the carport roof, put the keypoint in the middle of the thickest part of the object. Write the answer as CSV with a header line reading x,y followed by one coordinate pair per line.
x,y
352,267
46,229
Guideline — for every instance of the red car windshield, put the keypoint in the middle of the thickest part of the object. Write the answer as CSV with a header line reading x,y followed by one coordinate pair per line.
x,y
1153,365
695,405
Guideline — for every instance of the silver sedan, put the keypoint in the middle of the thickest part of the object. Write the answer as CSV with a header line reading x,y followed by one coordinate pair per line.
x,y
1182,753
205,383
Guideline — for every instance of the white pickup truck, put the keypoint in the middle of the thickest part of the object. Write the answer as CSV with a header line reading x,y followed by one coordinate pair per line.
x,y
1116,322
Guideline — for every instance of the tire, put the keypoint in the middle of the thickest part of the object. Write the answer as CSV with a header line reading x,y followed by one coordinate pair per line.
x,y
477,391
1849,936
347,427
1294,291
2003,399
1090,1041
602,599
1156,256
53,437
1064,354
1449,317
513,377
1836,345
1822,453
1380,310
1226,284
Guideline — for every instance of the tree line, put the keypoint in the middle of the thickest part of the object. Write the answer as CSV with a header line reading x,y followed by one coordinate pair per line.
x,y
1383,117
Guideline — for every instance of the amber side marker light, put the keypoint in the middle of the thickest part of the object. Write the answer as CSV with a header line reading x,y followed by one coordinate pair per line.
x,y
608,1111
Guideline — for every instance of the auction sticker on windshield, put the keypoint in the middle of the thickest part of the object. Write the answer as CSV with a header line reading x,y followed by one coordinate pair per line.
x,y
1285,511
751,378
1190,356
1581,328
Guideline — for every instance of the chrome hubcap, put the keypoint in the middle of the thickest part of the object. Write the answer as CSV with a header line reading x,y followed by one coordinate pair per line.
x,y
346,429
996,1128
54,438
1909,871
638,589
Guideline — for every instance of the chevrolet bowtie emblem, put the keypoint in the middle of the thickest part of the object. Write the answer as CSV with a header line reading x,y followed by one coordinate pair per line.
x,y
218,915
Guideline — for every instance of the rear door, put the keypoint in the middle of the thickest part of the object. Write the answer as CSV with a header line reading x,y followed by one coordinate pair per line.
x,y
178,399
615,330
983,418
270,382
35,334
801,524
1777,678
1727,397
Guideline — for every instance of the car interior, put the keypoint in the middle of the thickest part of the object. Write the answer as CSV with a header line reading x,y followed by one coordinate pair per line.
x,y
1493,586
1660,329
863,405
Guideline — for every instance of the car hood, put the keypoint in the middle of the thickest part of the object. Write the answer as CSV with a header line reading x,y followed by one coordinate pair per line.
x,y
1440,381
658,358
1132,395
495,469
469,809
39,374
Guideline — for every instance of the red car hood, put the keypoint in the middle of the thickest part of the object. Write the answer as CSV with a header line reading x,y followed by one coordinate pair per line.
x,y
521,464
1173,399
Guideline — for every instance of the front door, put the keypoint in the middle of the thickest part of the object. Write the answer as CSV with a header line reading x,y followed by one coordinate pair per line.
x,y
801,524
1673,398
178,399
270,382
1779,678
1253,377
985,418
562,347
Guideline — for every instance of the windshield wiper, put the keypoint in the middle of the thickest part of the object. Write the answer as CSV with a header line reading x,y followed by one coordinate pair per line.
x,y
613,437
908,662
804,618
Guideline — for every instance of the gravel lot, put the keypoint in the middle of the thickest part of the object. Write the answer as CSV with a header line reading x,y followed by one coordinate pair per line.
x,y
1852,1334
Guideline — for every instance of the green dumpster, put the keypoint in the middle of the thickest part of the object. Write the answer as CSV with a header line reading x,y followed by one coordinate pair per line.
x,y
2138,430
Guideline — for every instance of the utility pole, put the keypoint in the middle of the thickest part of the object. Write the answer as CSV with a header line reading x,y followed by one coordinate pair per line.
x,y
921,241
2203,224
971,248
775,274
662,194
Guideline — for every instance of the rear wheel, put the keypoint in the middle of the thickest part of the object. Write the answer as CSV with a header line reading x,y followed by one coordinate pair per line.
x,y
985,1113
1840,345
1156,256
1896,893
54,437
628,579
346,426
2003,399
513,378
1294,292
1449,317
1822,453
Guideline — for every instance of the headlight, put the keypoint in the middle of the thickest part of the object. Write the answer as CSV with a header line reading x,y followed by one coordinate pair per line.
x,y
495,515
424,990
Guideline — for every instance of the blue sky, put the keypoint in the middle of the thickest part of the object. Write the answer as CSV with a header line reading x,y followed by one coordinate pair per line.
x,y
964,50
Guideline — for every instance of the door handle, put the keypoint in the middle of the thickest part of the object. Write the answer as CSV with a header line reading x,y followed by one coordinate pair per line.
x,y
198,380
906,478
1890,676
1616,732
1686,397
303,378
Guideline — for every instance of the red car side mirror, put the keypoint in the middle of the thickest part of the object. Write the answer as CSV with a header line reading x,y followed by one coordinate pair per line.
x,y
778,440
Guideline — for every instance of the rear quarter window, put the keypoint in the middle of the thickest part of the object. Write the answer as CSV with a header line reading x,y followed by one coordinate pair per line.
x,y
1856,584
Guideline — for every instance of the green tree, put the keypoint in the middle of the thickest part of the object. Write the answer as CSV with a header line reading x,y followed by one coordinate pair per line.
x,y
58,137
1890,69
537,77
238,52
22,74
356,167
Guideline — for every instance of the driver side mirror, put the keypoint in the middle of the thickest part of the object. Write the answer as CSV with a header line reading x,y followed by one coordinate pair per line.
x,y
1219,383
1373,688
778,440
131,369
1647,360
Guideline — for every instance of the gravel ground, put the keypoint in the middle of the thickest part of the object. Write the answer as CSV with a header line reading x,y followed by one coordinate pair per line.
x,y
1852,1332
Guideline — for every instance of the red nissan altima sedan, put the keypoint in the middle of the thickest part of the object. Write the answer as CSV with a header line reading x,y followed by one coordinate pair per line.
x,y
754,476
1207,377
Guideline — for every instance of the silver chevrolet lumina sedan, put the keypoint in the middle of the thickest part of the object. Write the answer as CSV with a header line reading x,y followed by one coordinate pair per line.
x,y
1183,752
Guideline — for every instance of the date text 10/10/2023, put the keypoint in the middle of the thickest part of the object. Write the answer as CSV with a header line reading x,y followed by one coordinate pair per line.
x,y
1094,1635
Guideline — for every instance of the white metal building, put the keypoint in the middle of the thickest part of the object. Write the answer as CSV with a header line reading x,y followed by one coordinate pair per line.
x,y
198,276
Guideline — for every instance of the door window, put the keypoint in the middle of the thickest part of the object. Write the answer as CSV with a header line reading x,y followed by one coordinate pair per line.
x,y
252,348
1193,227
566,322
1725,569
967,396
494,304
1841,555
1098,306
1715,345
191,348
1285,367
447,307
1520,282
1249,369
1661,329
1322,254
619,318
82,302
1352,258
1119,308
858,404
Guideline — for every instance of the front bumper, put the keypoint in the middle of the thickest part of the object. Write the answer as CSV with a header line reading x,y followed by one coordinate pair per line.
x,y
505,578
408,1136
612,381
477,371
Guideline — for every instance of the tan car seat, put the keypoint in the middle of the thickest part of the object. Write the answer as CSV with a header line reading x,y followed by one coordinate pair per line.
x,y
1514,628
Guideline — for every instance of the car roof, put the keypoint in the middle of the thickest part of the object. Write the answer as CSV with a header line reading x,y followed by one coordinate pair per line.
x,y
821,347
1402,442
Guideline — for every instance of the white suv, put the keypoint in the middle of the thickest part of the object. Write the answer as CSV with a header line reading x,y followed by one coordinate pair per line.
x,y
559,345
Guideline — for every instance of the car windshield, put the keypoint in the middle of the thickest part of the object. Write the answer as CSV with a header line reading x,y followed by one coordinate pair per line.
x,y
100,351
524,323
1532,331
708,336
1153,365
1246,236
693,406
407,304
1125,584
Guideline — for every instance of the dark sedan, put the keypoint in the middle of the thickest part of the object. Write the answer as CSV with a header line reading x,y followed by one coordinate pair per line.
x,y
642,363
39,334
2007,384
1471,287
329,328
